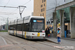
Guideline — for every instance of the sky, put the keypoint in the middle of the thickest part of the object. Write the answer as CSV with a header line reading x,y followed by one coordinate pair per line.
x,y
13,13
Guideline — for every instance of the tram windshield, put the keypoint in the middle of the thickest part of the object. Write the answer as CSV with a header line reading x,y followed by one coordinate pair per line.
x,y
38,25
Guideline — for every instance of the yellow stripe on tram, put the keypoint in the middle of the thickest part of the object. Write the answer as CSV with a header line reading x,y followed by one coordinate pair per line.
x,y
8,32
14,32
25,34
38,34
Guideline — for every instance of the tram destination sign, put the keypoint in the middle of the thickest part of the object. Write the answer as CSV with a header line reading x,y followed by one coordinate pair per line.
x,y
37,20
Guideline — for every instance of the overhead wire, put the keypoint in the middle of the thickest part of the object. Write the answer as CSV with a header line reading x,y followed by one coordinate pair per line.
x,y
13,7
8,7
7,2
21,10
26,2
23,4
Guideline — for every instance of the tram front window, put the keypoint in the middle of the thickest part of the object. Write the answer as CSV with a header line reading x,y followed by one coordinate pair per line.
x,y
38,26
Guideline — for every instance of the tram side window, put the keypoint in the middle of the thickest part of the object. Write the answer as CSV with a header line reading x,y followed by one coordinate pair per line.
x,y
11,27
15,27
19,27
26,27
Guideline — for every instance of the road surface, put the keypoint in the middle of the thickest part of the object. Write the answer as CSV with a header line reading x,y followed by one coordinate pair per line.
x,y
9,42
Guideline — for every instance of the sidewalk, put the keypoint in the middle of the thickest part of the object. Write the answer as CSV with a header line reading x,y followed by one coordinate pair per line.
x,y
52,39
68,39
64,42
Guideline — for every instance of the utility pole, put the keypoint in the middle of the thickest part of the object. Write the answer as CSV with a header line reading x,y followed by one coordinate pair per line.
x,y
7,23
55,5
21,9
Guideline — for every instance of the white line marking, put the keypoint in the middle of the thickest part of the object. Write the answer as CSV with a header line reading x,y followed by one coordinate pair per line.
x,y
4,40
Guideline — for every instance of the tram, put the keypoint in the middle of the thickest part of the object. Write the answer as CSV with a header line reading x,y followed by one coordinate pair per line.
x,y
30,27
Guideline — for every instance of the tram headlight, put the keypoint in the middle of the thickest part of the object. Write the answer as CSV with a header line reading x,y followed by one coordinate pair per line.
x,y
43,34
33,34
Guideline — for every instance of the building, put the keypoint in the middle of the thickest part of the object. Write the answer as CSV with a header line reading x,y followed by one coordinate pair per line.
x,y
66,16
3,27
46,8
40,8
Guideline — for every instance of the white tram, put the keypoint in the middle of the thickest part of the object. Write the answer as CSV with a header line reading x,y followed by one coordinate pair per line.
x,y
30,27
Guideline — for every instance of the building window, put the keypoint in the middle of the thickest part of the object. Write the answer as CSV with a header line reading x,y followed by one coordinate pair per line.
x,y
40,14
41,5
42,1
43,14
42,9
44,4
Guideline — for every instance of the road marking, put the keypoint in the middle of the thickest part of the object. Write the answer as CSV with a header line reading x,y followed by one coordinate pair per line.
x,y
4,40
64,47
5,46
58,47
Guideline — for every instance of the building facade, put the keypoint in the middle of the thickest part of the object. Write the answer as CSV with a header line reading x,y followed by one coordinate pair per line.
x,y
46,8
66,16
40,8
3,27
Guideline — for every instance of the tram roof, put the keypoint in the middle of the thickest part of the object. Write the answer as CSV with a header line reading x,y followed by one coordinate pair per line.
x,y
37,17
27,19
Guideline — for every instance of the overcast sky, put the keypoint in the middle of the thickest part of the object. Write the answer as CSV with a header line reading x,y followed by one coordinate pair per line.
x,y
13,13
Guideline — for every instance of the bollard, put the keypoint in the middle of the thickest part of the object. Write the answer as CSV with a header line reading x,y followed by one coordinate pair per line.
x,y
65,34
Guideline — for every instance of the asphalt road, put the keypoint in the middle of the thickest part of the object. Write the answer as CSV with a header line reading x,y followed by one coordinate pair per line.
x,y
9,42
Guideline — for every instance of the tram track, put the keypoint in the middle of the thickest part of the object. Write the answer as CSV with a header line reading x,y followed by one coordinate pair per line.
x,y
32,40
15,42
45,43
35,44
23,42
42,42
9,41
